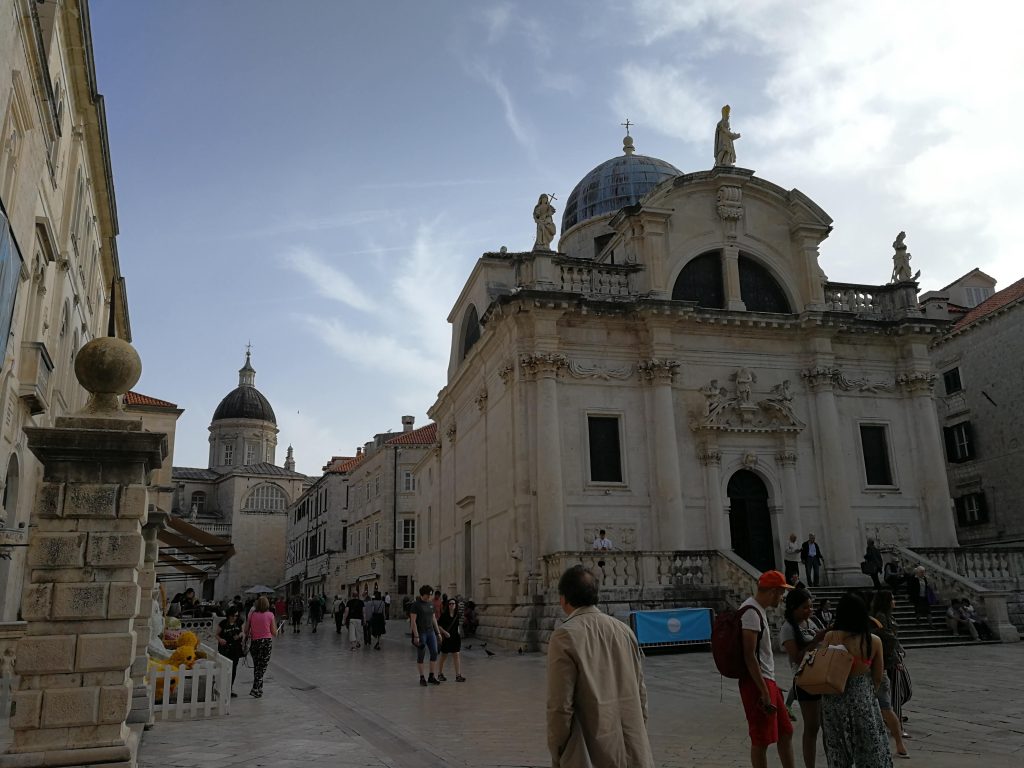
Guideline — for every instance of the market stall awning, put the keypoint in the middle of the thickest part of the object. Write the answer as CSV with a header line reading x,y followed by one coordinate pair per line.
x,y
189,552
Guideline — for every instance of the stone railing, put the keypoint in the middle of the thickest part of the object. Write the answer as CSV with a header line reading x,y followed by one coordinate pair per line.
x,y
636,570
586,277
880,301
993,567
216,529
948,583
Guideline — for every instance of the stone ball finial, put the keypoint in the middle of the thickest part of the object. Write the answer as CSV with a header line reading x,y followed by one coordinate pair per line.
x,y
107,367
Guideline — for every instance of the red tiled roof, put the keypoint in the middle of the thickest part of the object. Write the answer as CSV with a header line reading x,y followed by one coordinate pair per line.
x,y
993,303
342,464
423,436
137,398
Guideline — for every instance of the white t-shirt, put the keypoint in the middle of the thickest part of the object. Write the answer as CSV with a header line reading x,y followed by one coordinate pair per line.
x,y
753,620
792,548
600,543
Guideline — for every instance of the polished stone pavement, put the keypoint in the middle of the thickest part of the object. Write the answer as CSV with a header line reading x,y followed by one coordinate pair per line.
x,y
326,705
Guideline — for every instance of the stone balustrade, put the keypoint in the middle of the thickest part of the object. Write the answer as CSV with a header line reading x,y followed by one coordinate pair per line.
x,y
877,301
589,278
993,604
995,567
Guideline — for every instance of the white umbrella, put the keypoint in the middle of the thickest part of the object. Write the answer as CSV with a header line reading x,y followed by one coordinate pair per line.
x,y
259,589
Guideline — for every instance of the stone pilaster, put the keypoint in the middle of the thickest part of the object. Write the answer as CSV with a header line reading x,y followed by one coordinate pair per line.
x,y
718,530
142,708
544,369
786,459
731,277
668,483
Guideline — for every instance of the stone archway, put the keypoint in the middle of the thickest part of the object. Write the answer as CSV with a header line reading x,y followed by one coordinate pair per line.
x,y
750,522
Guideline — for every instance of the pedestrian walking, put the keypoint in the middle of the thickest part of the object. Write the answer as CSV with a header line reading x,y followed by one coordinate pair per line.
x,y
338,610
798,636
872,565
791,561
315,611
767,717
438,602
367,615
387,606
260,629
812,558
230,644
425,633
596,700
378,620
297,607
851,721
921,595
354,620
890,696
452,644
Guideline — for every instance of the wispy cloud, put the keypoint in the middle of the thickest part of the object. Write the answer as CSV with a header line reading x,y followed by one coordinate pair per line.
x,y
512,118
670,99
329,281
298,224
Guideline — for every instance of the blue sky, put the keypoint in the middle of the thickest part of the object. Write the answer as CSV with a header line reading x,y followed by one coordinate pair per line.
x,y
319,177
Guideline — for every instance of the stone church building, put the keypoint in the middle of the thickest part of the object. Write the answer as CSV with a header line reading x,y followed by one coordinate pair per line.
x,y
682,374
242,494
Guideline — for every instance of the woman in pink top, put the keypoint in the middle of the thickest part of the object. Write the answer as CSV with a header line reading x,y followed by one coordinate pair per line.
x,y
260,629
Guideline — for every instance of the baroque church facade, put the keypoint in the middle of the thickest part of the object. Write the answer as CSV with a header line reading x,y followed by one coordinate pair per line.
x,y
242,494
681,374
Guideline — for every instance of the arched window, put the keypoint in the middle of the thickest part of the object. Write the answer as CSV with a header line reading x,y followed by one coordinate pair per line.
x,y
759,290
701,281
198,504
470,330
266,499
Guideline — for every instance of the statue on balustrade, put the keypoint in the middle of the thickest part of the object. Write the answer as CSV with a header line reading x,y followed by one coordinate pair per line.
x,y
725,150
544,217
901,261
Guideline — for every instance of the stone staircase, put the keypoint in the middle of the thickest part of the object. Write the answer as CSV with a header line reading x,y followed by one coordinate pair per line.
x,y
913,632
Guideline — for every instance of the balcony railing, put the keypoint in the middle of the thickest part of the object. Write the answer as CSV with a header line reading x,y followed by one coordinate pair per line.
x,y
34,376
875,301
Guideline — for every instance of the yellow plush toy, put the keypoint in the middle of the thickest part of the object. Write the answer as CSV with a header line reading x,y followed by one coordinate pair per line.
x,y
178,639
183,655
156,672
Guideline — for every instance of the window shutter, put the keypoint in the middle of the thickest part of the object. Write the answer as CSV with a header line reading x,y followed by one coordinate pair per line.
x,y
947,433
969,436
982,508
961,517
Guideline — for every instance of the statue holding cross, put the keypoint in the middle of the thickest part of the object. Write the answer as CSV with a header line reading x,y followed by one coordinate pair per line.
x,y
544,218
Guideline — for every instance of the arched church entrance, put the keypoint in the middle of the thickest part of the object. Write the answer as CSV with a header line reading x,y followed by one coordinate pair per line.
x,y
750,522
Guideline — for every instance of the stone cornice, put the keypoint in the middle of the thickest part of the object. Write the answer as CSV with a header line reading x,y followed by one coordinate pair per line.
x,y
657,369
546,364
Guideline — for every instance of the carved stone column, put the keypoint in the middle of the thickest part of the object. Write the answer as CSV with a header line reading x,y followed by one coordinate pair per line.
x,y
142,708
668,495
841,551
937,514
544,369
718,526
85,555
786,459
731,277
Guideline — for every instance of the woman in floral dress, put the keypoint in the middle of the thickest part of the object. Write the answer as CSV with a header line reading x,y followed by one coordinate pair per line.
x,y
852,727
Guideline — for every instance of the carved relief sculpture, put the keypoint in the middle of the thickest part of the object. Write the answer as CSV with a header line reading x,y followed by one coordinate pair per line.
x,y
655,369
740,411
592,370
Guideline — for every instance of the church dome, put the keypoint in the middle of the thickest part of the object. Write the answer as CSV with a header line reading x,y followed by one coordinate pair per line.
x,y
615,184
245,401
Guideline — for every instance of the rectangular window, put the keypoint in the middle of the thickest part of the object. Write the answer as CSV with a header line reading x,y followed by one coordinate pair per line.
x,y
605,451
376,486
403,584
875,445
10,271
250,453
408,481
951,381
971,509
229,452
959,442
408,534
376,537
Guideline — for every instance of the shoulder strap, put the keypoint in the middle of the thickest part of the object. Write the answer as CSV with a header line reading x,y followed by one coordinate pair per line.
x,y
760,619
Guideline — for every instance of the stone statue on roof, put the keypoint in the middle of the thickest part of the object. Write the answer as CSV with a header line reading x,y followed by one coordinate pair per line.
x,y
544,217
901,260
725,152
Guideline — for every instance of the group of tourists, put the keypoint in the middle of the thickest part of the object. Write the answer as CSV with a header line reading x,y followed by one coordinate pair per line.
x,y
434,620
365,618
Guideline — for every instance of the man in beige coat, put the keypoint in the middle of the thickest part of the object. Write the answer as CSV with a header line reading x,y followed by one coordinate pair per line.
x,y
597,700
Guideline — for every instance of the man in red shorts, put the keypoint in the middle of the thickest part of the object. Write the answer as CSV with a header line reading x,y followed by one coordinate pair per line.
x,y
767,716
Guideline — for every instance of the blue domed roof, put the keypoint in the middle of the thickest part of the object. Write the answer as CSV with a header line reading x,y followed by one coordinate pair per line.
x,y
614,184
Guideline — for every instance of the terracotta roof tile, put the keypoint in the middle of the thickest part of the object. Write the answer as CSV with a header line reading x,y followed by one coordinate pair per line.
x,y
137,398
993,303
423,436
345,464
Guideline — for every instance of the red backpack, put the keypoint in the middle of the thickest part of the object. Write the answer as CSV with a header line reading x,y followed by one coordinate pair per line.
x,y
727,643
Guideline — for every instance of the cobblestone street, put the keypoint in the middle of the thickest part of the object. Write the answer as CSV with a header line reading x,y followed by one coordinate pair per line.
x,y
326,705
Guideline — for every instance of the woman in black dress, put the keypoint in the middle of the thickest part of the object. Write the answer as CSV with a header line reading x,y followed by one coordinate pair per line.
x,y
229,641
452,644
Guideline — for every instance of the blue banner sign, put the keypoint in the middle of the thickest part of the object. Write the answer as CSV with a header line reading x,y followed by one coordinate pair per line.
x,y
672,627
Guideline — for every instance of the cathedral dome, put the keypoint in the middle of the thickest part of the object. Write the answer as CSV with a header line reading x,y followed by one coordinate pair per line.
x,y
615,184
245,401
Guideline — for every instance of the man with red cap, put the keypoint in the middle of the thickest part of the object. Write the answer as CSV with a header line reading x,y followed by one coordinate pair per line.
x,y
767,717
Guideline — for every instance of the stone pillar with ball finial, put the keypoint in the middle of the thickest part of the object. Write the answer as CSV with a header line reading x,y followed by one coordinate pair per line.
x,y
86,570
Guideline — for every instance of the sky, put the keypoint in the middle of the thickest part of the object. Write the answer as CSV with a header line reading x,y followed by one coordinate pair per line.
x,y
318,178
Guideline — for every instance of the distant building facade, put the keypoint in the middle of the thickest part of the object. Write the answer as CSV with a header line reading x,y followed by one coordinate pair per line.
x,y
242,495
58,246
980,362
